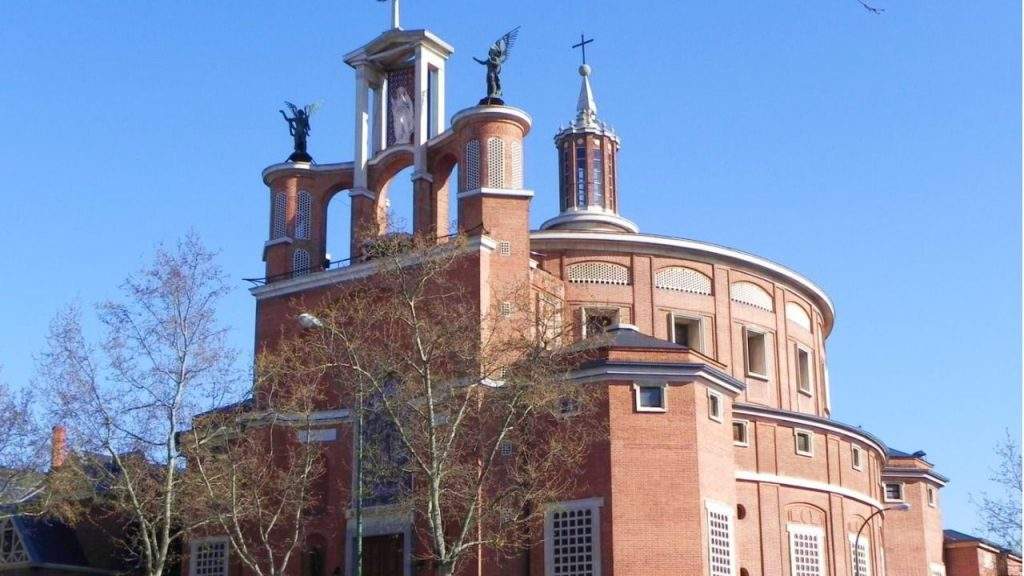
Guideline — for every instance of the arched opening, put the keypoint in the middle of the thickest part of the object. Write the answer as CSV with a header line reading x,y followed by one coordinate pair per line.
x,y
338,228
396,202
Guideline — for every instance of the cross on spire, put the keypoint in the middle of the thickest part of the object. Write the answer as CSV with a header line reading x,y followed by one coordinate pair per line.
x,y
394,14
582,46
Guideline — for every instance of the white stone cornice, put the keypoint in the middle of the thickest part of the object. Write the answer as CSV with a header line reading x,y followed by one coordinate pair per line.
x,y
496,112
590,218
365,193
808,421
660,372
748,476
914,474
516,192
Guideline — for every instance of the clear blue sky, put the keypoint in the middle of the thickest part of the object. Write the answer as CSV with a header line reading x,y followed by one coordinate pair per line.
x,y
878,155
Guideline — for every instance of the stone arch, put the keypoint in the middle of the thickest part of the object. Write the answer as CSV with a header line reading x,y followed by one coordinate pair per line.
x,y
806,513
434,211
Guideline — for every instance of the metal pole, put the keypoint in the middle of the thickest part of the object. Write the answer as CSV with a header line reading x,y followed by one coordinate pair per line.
x,y
856,541
359,484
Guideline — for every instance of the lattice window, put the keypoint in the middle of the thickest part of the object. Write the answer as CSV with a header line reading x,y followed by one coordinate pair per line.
x,y
12,549
581,175
278,205
597,177
598,273
495,163
472,165
860,560
806,552
504,248
752,295
505,448
683,280
302,215
573,541
719,540
515,161
300,262
209,558
797,315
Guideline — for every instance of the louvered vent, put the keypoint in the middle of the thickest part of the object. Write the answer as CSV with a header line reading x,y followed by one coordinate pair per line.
x,y
752,295
472,165
683,280
797,315
598,273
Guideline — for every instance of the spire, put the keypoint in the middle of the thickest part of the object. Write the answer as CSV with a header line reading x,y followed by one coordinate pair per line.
x,y
586,107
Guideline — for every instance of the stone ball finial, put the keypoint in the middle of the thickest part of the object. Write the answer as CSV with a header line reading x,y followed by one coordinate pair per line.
x,y
585,70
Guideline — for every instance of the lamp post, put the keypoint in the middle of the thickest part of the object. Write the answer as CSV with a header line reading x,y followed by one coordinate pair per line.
x,y
308,321
902,507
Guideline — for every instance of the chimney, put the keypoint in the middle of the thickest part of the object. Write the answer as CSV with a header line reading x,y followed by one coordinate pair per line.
x,y
58,447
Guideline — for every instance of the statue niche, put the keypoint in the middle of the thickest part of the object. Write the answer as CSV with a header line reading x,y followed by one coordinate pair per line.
x,y
401,105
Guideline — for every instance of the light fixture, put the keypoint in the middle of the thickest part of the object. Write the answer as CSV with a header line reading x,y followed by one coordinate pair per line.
x,y
308,321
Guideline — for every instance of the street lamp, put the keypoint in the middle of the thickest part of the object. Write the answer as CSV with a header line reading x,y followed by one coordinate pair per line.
x,y
901,507
308,321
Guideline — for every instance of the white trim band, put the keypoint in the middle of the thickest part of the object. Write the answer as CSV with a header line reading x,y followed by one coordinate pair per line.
x,y
747,476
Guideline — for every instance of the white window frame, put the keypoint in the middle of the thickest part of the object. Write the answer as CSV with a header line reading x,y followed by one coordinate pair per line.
x,y
583,317
865,542
746,432
664,396
797,350
932,495
713,398
856,457
698,319
196,542
937,569
885,492
807,529
797,432
594,505
713,507
747,330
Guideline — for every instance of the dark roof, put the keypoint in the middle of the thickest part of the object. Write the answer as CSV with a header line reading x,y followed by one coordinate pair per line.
x,y
894,453
50,541
240,406
625,336
957,536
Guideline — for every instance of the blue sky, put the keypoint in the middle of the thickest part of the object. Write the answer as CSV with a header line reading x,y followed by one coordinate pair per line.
x,y
877,155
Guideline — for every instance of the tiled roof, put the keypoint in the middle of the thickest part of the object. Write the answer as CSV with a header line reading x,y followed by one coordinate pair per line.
x,y
957,536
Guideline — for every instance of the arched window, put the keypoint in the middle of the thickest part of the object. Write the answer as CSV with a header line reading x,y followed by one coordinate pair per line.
x,y
797,315
598,273
495,163
278,204
682,279
515,160
597,177
300,262
302,215
472,165
752,295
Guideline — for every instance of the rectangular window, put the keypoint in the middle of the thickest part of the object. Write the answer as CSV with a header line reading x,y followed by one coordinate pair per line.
x,y
931,496
686,331
893,492
650,397
803,370
572,538
209,557
857,456
806,552
598,320
597,180
740,432
860,560
755,349
715,406
804,442
581,176
720,539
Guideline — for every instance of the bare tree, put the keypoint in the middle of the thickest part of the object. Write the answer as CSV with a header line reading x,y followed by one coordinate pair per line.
x,y
124,400
1001,514
22,450
468,419
257,467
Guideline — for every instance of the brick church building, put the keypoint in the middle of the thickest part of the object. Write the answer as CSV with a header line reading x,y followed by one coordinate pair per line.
x,y
722,458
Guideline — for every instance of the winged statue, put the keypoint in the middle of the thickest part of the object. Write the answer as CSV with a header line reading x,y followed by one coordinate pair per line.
x,y
496,56
298,127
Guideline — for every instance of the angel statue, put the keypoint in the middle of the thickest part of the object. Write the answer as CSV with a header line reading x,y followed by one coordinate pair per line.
x,y
298,127
496,56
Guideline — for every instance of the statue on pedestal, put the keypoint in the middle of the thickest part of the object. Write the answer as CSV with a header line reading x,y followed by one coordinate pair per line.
x,y
298,127
496,56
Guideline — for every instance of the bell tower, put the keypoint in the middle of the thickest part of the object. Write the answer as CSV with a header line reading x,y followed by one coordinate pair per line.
x,y
587,161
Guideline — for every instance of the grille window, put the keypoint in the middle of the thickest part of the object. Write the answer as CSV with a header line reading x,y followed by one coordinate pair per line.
x,y
597,178
719,543
277,215
472,165
859,558
805,551
598,273
683,280
210,558
752,295
302,215
581,176
797,315
515,161
495,163
573,541
300,262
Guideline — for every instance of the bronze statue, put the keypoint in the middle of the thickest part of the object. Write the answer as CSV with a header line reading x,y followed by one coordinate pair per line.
x,y
298,127
496,56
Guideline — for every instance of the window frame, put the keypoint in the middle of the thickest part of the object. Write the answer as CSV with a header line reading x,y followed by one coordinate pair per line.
x,y
864,541
885,491
584,314
716,398
594,505
763,334
932,496
807,530
726,511
745,424
196,542
799,349
797,432
856,457
664,396
696,319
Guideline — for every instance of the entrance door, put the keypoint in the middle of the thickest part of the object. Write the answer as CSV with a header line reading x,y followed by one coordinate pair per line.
x,y
383,555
